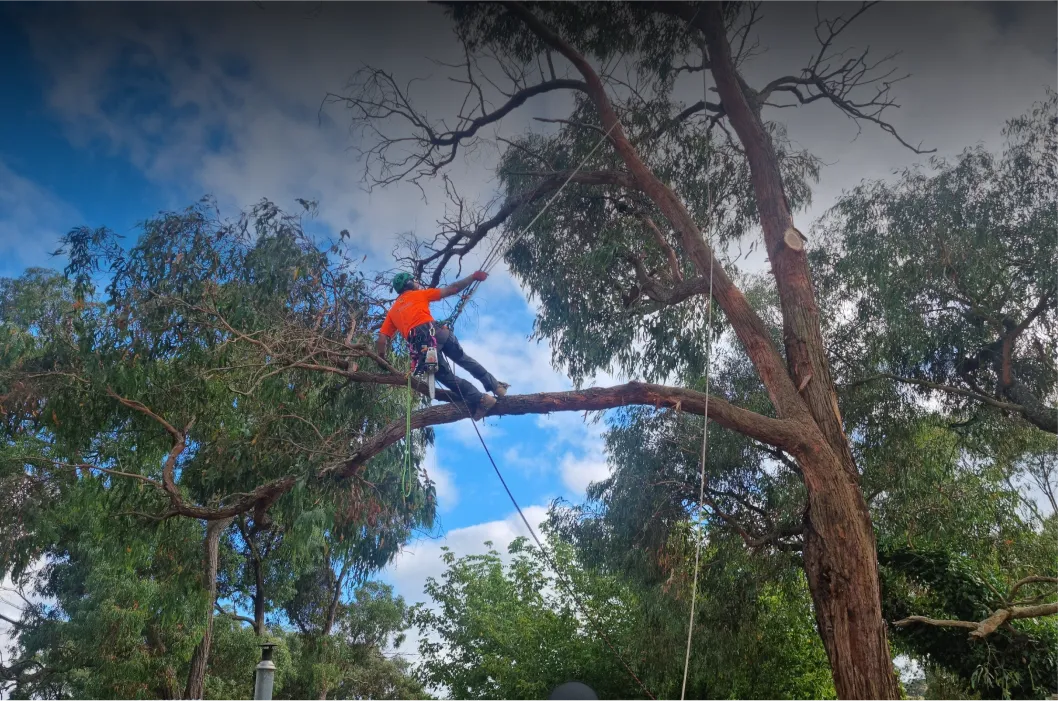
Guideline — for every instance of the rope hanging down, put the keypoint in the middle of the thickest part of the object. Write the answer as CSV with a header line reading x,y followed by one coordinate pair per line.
x,y
498,250
705,415
551,563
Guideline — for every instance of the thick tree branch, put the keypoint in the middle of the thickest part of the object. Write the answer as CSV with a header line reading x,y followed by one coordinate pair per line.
x,y
778,432
982,629
234,616
782,433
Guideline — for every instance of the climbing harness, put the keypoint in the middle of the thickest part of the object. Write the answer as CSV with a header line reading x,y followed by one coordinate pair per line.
x,y
425,360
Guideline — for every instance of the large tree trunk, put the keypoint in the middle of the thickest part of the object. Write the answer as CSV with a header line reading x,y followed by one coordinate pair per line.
x,y
196,677
840,554
841,563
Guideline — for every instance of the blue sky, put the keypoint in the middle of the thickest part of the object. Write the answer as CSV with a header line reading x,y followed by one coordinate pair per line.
x,y
112,112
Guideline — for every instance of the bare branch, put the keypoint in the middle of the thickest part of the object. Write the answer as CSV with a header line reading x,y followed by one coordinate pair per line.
x,y
377,99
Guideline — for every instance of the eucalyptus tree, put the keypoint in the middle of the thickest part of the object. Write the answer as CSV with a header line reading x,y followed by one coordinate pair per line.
x,y
170,396
950,276
633,249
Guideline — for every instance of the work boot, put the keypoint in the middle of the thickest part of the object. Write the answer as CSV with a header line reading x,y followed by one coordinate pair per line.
x,y
501,389
486,403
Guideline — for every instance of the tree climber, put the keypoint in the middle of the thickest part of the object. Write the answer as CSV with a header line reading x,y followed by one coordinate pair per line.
x,y
410,314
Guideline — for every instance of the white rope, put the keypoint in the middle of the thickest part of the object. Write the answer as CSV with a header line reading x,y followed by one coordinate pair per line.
x,y
495,255
705,416
496,258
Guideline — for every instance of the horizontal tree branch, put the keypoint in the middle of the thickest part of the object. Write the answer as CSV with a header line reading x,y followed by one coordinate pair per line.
x,y
982,629
777,432
235,616
783,433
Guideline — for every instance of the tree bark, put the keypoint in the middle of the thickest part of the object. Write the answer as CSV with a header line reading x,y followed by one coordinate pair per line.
x,y
840,553
196,676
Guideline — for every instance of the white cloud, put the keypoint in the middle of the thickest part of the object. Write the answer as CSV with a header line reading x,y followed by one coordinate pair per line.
x,y
277,140
422,559
513,358
444,482
31,220
578,473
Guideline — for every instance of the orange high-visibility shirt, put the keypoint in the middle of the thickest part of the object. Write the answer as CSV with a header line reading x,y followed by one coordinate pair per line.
x,y
409,310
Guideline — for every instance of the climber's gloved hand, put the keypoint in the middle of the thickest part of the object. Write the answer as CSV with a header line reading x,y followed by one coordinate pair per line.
x,y
480,276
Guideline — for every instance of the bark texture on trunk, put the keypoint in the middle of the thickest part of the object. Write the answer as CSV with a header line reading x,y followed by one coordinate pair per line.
x,y
841,564
840,553
196,676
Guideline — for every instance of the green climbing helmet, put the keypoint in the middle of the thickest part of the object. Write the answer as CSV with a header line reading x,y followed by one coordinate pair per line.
x,y
400,281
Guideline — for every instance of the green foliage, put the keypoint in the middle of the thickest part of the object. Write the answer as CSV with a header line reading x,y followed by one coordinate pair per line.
x,y
933,272
511,630
350,662
1020,661
195,334
586,255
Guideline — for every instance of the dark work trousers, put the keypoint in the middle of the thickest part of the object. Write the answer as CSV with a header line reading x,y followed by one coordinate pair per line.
x,y
449,347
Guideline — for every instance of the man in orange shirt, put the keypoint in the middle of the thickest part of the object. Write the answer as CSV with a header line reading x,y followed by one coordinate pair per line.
x,y
410,315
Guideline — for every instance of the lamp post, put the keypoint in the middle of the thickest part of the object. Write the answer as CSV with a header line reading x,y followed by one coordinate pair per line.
x,y
266,673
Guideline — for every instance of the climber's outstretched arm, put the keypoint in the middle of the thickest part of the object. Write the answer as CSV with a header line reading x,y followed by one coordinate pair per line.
x,y
457,287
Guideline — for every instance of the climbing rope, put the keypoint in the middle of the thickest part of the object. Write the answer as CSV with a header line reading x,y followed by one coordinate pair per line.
x,y
407,445
705,415
499,249
547,557
493,257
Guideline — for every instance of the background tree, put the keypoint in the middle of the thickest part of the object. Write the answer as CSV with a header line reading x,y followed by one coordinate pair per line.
x,y
142,408
758,641
950,275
